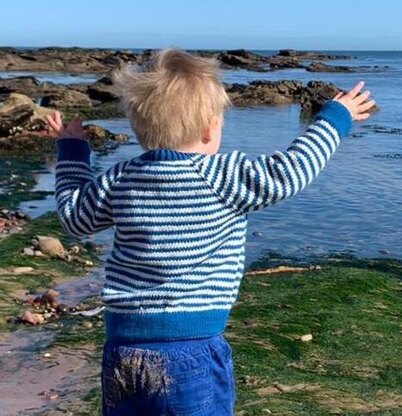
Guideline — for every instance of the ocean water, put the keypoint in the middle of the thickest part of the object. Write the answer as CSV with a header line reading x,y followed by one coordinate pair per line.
x,y
354,206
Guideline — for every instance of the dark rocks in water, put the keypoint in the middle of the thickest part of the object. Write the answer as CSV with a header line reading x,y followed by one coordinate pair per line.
x,y
28,84
321,67
67,98
102,90
20,115
315,95
23,128
310,55
102,139
264,92
375,128
242,59
279,62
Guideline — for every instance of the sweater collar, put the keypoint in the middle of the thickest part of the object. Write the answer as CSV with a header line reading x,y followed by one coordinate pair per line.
x,y
166,154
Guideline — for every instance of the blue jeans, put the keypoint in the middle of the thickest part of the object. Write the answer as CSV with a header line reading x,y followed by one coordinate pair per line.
x,y
181,378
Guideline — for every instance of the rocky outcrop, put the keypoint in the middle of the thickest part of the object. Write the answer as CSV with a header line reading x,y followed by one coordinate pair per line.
x,y
321,67
102,61
19,114
67,98
280,62
264,93
311,55
315,95
23,128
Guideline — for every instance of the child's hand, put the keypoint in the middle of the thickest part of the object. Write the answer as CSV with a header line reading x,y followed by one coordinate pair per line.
x,y
74,129
357,105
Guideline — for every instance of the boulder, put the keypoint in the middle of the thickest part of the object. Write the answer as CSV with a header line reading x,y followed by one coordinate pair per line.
x,y
67,99
19,113
264,93
310,55
278,62
50,246
102,90
315,95
321,67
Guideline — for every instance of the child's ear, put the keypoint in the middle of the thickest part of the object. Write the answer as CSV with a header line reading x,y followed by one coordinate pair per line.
x,y
209,131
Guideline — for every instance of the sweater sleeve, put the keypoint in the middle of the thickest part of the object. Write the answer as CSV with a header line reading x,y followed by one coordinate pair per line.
x,y
83,200
250,185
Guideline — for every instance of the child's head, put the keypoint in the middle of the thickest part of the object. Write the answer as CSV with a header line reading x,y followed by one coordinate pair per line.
x,y
176,102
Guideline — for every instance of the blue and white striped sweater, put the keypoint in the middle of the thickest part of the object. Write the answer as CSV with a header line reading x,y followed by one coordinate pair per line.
x,y
180,225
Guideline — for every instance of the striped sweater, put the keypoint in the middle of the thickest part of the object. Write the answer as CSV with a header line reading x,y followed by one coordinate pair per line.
x,y
180,225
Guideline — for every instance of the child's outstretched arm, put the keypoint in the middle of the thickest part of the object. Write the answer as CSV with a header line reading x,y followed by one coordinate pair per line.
x,y
249,185
83,200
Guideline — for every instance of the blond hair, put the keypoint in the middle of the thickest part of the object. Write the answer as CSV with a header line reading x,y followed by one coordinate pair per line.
x,y
171,100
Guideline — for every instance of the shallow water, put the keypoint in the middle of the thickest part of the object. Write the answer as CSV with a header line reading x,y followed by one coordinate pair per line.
x,y
57,78
353,206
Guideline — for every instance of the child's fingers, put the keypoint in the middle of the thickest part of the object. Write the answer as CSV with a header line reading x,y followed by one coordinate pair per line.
x,y
57,117
362,97
53,124
356,89
338,96
361,117
366,106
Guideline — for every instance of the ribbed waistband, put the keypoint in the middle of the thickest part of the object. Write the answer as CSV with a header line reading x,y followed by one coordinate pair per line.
x,y
136,328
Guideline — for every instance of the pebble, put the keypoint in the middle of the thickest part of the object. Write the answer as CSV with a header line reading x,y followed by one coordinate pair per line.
x,y
306,338
47,355
74,250
22,270
87,325
27,251
89,263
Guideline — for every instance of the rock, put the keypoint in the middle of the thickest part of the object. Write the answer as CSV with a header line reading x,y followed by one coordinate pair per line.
x,y
75,249
311,55
278,62
315,95
22,270
50,246
265,92
306,338
102,90
28,251
321,67
47,355
240,58
102,139
20,115
32,318
68,98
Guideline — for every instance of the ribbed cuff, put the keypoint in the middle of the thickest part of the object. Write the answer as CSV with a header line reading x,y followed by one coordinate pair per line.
x,y
338,116
73,149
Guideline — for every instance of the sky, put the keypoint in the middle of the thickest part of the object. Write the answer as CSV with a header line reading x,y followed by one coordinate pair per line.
x,y
209,24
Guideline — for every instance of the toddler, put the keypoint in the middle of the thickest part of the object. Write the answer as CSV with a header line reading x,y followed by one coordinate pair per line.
x,y
180,215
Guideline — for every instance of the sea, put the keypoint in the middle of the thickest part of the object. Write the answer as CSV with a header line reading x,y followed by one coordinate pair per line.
x,y
353,208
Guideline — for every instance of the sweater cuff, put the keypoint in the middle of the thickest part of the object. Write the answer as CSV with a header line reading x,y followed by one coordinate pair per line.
x,y
77,150
338,116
